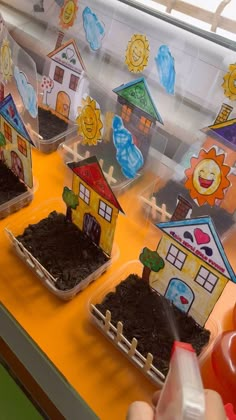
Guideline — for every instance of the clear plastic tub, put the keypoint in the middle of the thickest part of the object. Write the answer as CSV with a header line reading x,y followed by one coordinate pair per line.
x,y
114,334
45,277
16,203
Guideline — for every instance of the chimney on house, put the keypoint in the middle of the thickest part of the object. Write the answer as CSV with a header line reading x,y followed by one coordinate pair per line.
x,y
224,114
59,39
2,94
182,209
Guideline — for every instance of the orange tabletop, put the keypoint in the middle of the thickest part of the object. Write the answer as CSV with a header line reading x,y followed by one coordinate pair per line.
x,y
102,376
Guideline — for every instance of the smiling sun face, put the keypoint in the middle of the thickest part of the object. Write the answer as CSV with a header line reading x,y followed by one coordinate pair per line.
x,y
207,177
89,121
137,53
68,13
229,84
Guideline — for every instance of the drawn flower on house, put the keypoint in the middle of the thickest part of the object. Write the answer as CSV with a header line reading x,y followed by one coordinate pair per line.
x,y
229,84
6,61
89,121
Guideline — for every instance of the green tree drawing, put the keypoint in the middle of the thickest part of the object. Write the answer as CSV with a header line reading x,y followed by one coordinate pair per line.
x,y
71,200
151,261
2,140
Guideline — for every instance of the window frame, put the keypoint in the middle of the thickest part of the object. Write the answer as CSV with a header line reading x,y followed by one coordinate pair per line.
x,y
175,256
73,83
82,194
22,146
206,279
59,70
7,132
109,219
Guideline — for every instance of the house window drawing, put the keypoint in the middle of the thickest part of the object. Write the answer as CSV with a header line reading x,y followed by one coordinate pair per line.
x,y
105,211
193,245
7,132
17,154
144,125
74,80
22,145
138,111
176,257
206,279
126,113
68,72
58,74
84,193
92,216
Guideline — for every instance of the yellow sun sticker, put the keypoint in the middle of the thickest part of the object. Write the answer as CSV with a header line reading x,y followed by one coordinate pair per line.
x,y
207,178
229,84
89,121
6,61
68,13
137,53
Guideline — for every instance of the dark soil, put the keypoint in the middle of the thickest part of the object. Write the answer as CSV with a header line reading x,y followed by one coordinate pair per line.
x,y
10,185
144,314
50,125
66,252
169,194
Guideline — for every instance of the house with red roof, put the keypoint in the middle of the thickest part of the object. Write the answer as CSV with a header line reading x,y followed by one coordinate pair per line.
x,y
98,207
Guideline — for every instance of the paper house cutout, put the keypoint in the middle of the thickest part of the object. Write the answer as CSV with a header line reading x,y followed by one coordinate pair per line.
x,y
196,268
17,152
139,113
222,135
98,208
66,71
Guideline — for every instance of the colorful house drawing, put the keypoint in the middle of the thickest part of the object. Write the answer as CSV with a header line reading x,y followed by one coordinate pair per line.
x,y
66,71
98,208
222,135
17,150
139,113
196,268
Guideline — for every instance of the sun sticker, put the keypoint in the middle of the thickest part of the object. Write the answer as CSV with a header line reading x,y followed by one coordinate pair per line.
x,y
229,84
137,53
89,121
6,61
207,178
68,13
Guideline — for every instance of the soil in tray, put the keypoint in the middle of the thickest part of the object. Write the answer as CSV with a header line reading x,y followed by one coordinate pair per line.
x,y
10,184
145,314
50,125
63,249
168,195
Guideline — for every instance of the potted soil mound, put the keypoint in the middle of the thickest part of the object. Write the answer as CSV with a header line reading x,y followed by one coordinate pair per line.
x,y
67,253
152,320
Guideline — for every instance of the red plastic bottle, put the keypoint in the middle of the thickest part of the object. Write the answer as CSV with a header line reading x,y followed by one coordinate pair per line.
x,y
224,361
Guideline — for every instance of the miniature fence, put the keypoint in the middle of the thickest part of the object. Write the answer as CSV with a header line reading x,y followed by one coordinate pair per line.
x,y
129,348
31,261
73,151
155,209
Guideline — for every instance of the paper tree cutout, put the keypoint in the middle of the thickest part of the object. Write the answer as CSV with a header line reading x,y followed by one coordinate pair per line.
x,y
46,86
229,84
97,209
71,200
207,177
137,53
151,261
195,269
89,121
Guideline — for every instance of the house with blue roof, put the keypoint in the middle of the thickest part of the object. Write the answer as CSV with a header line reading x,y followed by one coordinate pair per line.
x,y
138,111
196,268
17,150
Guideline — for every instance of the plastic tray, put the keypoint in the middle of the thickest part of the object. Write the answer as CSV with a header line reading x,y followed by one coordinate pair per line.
x,y
17,203
45,277
115,335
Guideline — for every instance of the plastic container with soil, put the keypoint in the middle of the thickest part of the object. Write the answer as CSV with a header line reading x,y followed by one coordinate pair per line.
x,y
65,262
14,194
128,335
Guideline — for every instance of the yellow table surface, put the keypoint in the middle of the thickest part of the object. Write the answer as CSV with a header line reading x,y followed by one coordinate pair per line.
x,y
106,380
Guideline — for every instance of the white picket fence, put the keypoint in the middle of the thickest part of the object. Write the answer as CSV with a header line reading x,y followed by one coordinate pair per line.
x,y
156,210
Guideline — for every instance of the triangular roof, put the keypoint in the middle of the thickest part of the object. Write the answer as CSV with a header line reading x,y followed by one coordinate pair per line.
x,y
90,172
71,44
143,100
196,235
9,111
224,131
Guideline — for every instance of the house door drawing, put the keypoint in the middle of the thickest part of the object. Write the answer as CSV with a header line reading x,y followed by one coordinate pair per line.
x,y
92,228
17,166
63,104
180,294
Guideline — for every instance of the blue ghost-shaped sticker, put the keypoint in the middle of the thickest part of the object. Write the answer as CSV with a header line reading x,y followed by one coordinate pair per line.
x,y
128,155
94,29
166,68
